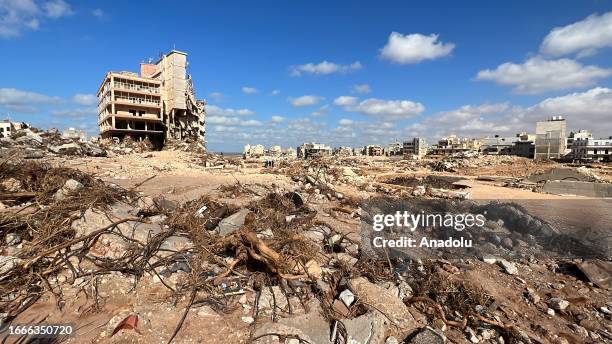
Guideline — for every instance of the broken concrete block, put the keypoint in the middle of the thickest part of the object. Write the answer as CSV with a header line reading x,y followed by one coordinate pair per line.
x,y
8,263
369,328
232,223
509,267
347,297
384,301
426,335
558,303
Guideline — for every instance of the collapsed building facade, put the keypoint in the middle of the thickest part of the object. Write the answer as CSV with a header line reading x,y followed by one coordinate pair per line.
x,y
158,104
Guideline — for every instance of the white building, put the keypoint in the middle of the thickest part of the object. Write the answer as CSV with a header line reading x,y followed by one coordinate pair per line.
x,y
590,149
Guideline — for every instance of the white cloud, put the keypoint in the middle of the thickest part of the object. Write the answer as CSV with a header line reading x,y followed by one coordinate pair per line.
x,y
324,67
591,109
17,16
321,111
278,119
345,122
345,101
583,37
98,12
538,75
233,121
213,110
306,100
85,99
57,9
24,101
362,89
78,113
217,96
275,92
414,48
381,108
249,90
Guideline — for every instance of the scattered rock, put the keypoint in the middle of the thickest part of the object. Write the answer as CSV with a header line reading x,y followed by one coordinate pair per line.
x,y
426,335
384,301
232,223
509,267
558,303
347,297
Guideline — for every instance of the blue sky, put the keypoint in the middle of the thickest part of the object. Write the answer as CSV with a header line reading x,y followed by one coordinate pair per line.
x,y
371,72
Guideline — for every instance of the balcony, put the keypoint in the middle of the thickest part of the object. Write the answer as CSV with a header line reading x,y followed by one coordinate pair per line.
x,y
135,87
138,101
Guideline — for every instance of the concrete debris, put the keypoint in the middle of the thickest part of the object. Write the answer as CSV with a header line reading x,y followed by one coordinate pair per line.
x,y
384,301
558,303
426,335
278,254
232,223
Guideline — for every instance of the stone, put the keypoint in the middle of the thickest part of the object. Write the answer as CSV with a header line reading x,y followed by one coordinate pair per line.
x,y
507,243
346,259
532,296
232,223
347,297
12,239
248,320
426,335
66,149
267,299
391,340
489,259
384,301
471,335
509,267
111,245
70,186
369,328
558,303
8,263
311,327
550,312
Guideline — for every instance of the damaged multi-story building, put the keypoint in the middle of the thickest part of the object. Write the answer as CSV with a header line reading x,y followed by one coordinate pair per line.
x,y
158,104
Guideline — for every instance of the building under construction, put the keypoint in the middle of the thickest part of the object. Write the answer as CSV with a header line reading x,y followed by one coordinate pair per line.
x,y
158,104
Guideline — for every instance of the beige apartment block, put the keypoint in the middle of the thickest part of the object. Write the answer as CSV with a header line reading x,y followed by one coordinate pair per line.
x,y
158,104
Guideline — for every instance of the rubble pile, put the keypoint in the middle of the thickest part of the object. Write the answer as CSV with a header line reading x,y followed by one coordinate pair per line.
x,y
127,145
31,143
288,275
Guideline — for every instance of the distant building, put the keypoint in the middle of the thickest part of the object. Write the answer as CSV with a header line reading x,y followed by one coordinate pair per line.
x,y
453,144
290,152
8,127
275,151
551,140
498,145
590,149
374,150
415,148
313,150
255,151
344,151
395,149
72,133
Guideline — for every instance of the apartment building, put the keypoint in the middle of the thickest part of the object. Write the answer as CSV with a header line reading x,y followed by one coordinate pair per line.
x,y
453,144
395,149
551,139
159,103
313,150
590,149
415,148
